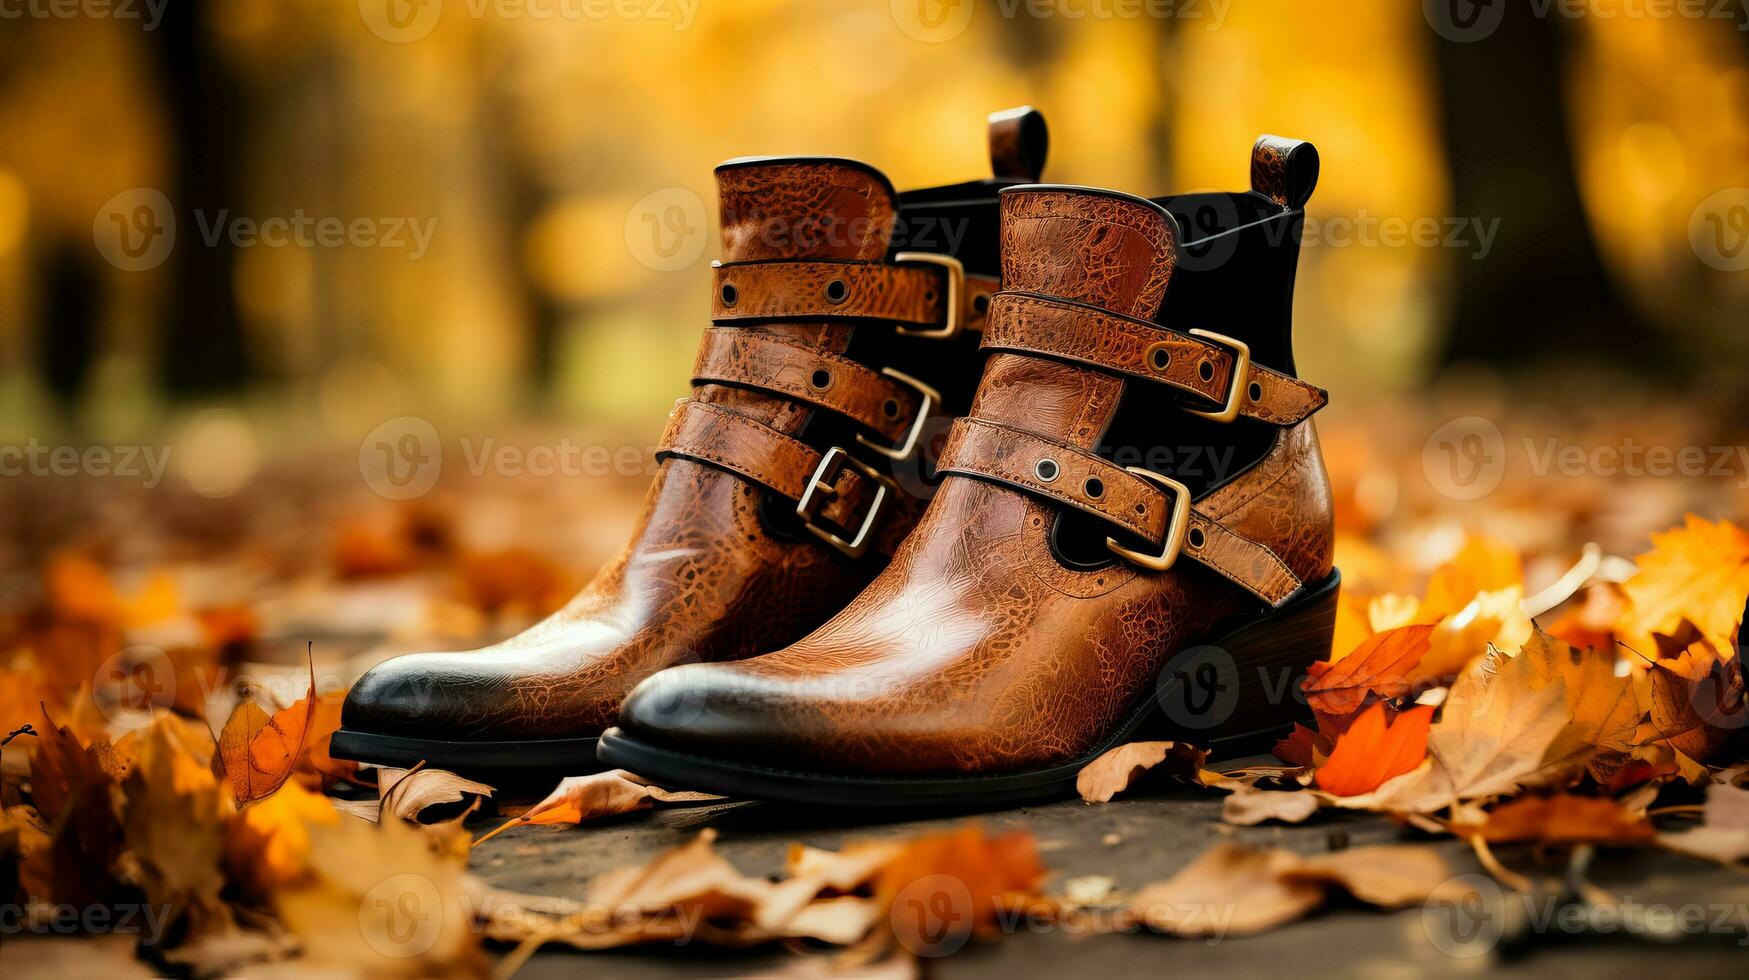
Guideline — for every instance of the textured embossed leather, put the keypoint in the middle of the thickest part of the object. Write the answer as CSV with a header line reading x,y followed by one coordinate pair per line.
x,y
719,566
982,649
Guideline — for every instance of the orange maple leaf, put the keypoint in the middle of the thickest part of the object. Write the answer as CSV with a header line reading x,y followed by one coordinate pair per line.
x,y
1698,572
1383,664
1375,749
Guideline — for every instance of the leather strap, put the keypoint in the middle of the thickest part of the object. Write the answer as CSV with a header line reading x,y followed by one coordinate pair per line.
x,y
751,359
1074,477
781,463
1028,323
909,295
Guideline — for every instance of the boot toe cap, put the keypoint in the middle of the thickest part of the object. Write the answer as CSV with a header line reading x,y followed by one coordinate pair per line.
x,y
427,694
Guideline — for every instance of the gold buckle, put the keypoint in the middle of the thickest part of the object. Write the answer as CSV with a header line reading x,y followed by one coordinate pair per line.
x,y
1241,374
928,399
956,291
1175,529
831,465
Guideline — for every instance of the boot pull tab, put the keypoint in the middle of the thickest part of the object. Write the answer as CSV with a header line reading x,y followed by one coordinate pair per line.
x,y
1018,142
1284,170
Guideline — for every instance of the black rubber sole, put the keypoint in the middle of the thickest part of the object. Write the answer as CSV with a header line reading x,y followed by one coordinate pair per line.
x,y
1274,650
496,763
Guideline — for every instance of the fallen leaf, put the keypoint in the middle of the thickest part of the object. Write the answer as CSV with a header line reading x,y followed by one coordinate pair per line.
x,y
1492,736
1235,890
1698,572
257,752
1115,770
407,794
1247,807
1697,697
1564,819
1231,890
1379,746
602,794
1384,664
942,886
1386,875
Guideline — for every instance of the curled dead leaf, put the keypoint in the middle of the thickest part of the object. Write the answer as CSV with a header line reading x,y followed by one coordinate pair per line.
x,y
1117,769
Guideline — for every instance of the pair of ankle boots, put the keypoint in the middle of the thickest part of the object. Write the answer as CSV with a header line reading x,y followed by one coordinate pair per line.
x,y
1125,533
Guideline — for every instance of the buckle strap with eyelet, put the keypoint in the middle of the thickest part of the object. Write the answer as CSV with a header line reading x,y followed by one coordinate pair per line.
x,y
890,404
1145,504
848,495
923,294
1206,365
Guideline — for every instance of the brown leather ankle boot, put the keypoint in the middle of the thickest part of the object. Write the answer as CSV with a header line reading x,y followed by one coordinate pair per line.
x,y
845,319
1133,538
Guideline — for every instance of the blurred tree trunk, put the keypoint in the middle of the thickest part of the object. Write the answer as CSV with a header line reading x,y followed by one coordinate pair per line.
x,y
202,348
67,343
1541,292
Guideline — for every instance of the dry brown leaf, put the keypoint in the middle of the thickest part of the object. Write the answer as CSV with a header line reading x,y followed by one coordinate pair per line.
x,y
1698,572
1697,697
258,752
1564,819
1248,807
173,823
1386,875
382,900
1493,735
408,793
1115,770
1384,664
1231,890
72,789
1379,746
602,794
1234,890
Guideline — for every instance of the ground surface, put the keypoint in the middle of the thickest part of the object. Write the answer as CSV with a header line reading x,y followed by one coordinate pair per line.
x,y
1135,842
